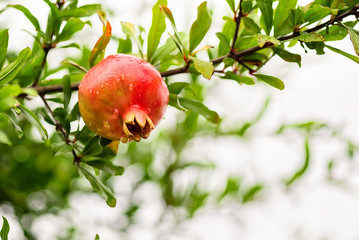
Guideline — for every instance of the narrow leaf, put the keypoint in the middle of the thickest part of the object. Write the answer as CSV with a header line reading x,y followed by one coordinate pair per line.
x,y
157,28
273,81
4,40
97,237
27,14
232,5
310,37
250,26
317,12
168,14
204,67
223,39
124,45
199,27
287,56
267,13
200,108
10,71
4,138
238,78
352,57
177,87
354,37
281,21
72,26
99,187
66,84
83,11
107,166
35,120
54,19
5,229
263,39
98,50
305,165
129,30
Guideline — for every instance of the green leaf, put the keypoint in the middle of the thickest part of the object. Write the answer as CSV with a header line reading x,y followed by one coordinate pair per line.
x,y
174,102
354,37
99,187
273,81
199,27
200,108
93,147
7,96
231,4
310,37
287,56
54,20
251,193
223,39
129,30
4,40
79,12
250,26
4,138
281,22
247,6
11,70
35,120
72,26
66,84
12,119
297,16
124,45
317,46
336,32
317,12
107,166
203,67
177,87
157,28
267,14
263,39
300,172
27,14
238,78
5,229
97,237
352,57
168,14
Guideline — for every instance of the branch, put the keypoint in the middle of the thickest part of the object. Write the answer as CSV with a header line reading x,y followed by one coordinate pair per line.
x,y
235,55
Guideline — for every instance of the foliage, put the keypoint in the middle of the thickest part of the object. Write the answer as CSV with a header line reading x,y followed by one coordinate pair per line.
x,y
250,37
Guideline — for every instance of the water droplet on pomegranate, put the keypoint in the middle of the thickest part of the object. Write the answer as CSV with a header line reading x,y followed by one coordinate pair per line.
x,y
130,86
90,91
101,85
106,124
97,92
148,110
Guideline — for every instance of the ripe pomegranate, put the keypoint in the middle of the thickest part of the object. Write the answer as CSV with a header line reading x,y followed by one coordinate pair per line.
x,y
122,98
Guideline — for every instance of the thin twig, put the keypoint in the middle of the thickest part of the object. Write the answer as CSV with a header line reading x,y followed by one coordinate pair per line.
x,y
238,17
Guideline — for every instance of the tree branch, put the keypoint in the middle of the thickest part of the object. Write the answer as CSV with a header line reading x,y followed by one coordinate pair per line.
x,y
235,55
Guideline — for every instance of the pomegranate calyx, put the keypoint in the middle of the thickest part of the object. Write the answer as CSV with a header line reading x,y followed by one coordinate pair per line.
x,y
136,125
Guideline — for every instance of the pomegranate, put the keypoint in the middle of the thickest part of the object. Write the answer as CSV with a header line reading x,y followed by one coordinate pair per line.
x,y
122,98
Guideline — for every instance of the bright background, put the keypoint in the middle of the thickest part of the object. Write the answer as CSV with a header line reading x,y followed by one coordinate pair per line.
x,y
324,89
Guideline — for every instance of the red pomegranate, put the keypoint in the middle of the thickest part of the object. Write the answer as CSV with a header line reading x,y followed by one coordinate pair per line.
x,y
122,98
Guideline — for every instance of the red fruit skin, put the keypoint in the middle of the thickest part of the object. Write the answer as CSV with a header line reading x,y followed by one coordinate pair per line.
x,y
118,86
